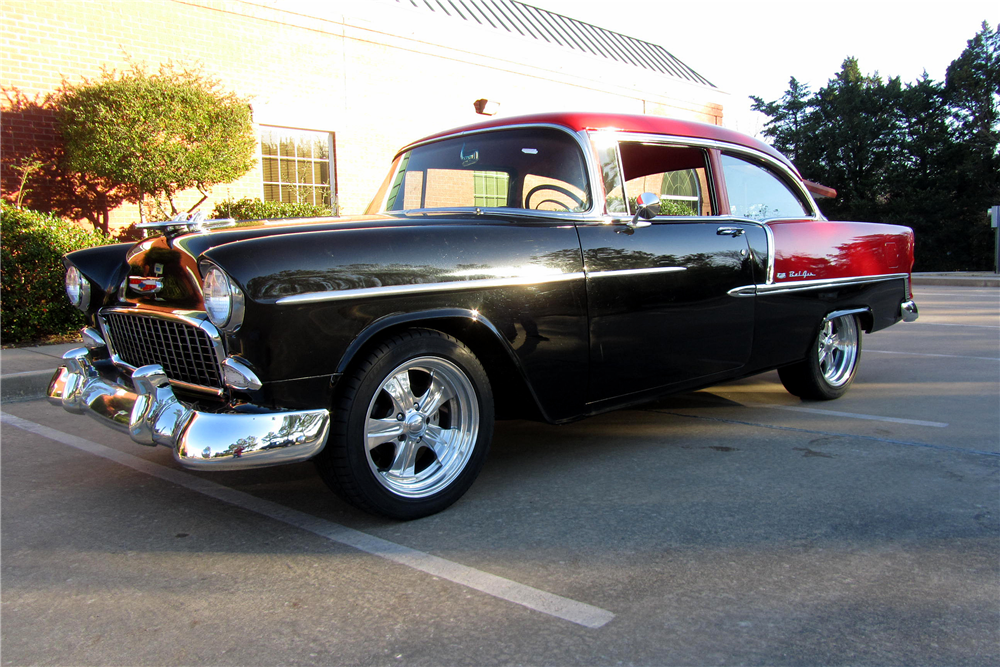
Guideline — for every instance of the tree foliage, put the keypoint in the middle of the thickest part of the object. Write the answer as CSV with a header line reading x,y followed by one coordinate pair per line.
x,y
156,134
924,154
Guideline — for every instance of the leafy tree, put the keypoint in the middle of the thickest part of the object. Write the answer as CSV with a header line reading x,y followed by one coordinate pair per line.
x,y
156,134
35,178
925,154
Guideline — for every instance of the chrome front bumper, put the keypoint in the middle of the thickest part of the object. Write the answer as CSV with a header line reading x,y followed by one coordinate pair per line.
x,y
147,409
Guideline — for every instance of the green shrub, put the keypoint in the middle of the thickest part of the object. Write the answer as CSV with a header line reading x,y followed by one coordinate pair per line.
x,y
257,209
33,303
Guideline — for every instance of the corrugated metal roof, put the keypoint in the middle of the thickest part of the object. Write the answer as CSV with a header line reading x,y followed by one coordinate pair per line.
x,y
524,20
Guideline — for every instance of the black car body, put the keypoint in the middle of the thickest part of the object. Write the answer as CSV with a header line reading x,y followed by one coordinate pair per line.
x,y
551,267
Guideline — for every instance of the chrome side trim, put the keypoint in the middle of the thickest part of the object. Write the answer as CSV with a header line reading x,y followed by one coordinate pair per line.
x,y
635,272
423,288
771,250
807,285
744,290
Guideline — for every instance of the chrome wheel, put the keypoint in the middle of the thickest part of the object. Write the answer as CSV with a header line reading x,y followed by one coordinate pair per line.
x,y
837,350
422,427
832,361
411,426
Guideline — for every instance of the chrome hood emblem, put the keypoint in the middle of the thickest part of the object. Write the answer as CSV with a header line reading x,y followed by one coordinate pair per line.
x,y
145,284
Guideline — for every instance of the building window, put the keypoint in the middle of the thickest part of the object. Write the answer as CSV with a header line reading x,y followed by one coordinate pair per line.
x,y
490,188
682,188
298,166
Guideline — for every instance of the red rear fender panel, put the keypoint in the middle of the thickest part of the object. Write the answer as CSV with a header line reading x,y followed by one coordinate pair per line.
x,y
822,250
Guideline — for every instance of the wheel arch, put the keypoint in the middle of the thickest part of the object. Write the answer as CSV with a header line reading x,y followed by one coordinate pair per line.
x,y
864,316
512,392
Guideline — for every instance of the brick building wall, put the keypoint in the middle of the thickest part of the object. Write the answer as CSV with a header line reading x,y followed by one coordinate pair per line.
x,y
374,74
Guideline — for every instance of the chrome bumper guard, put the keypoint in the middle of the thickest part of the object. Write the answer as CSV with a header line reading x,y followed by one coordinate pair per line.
x,y
908,309
147,409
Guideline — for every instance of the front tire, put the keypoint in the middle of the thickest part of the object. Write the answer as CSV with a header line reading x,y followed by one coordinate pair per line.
x,y
411,427
832,363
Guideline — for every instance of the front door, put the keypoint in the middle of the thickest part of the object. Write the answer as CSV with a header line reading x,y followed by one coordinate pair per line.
x,y
662,310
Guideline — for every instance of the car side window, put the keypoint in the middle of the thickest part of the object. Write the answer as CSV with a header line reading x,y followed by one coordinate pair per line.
x,y
678,174
758,194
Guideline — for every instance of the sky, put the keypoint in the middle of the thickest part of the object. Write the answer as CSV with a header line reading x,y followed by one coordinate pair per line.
x,y
754,47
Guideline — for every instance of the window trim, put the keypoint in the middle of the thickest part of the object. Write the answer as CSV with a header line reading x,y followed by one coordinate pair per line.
x,y
717,180
581,140
795,187
331,137
709,179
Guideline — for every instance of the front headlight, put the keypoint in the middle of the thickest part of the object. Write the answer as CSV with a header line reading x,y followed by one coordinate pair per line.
x,y
77,288
223,299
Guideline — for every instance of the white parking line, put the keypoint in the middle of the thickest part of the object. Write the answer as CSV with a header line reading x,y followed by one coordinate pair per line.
x,y
981,293
956,324
851,415
929,354
490,584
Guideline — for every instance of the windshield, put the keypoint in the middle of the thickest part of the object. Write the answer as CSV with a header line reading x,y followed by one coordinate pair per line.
x,y
538,169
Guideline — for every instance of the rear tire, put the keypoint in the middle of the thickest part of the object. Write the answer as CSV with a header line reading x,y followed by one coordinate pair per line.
x,y
829,369
411,427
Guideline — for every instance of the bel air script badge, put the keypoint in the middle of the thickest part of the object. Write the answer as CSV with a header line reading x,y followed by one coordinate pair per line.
x,y
797,274
145,285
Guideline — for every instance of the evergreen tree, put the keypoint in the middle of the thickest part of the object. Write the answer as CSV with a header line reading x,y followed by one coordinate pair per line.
x,y
926,154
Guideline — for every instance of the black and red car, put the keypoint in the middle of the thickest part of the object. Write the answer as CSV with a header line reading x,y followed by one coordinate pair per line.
x,y
551,266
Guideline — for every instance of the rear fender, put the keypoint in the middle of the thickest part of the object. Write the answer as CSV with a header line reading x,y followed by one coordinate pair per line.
x,y
828,250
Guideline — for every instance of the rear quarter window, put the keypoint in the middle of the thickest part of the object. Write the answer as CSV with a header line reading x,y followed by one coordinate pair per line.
x,y
758,193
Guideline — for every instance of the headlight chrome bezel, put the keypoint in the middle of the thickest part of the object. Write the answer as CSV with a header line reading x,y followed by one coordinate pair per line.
x,y
77,288
223,299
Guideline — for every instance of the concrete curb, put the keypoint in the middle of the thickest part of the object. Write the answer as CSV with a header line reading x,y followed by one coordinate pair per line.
x,y
26,386
27,370
957,281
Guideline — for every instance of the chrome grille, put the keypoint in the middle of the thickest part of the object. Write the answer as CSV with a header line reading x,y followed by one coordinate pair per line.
x,y
186,352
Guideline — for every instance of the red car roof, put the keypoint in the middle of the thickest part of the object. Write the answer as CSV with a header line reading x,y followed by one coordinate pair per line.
x,y
578,121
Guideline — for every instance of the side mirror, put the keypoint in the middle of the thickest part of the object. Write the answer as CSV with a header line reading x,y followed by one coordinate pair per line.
x,y
647,206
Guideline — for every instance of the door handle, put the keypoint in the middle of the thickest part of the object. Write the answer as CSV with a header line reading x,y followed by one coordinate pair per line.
x,y
729,231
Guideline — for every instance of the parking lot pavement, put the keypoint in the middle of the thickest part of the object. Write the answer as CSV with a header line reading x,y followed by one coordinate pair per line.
x,y
735,525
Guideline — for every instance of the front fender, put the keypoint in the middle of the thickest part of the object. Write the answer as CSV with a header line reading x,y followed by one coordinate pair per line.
x,y
512,387
390,323
316,299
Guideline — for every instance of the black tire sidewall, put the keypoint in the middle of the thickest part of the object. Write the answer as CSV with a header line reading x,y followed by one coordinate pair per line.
x,y
824,390
806,380
389,356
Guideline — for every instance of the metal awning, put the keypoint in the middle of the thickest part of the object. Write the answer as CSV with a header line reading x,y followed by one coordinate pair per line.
x,y
527,21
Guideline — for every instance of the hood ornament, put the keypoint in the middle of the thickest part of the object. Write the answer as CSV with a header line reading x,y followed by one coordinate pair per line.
x,y
187,223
